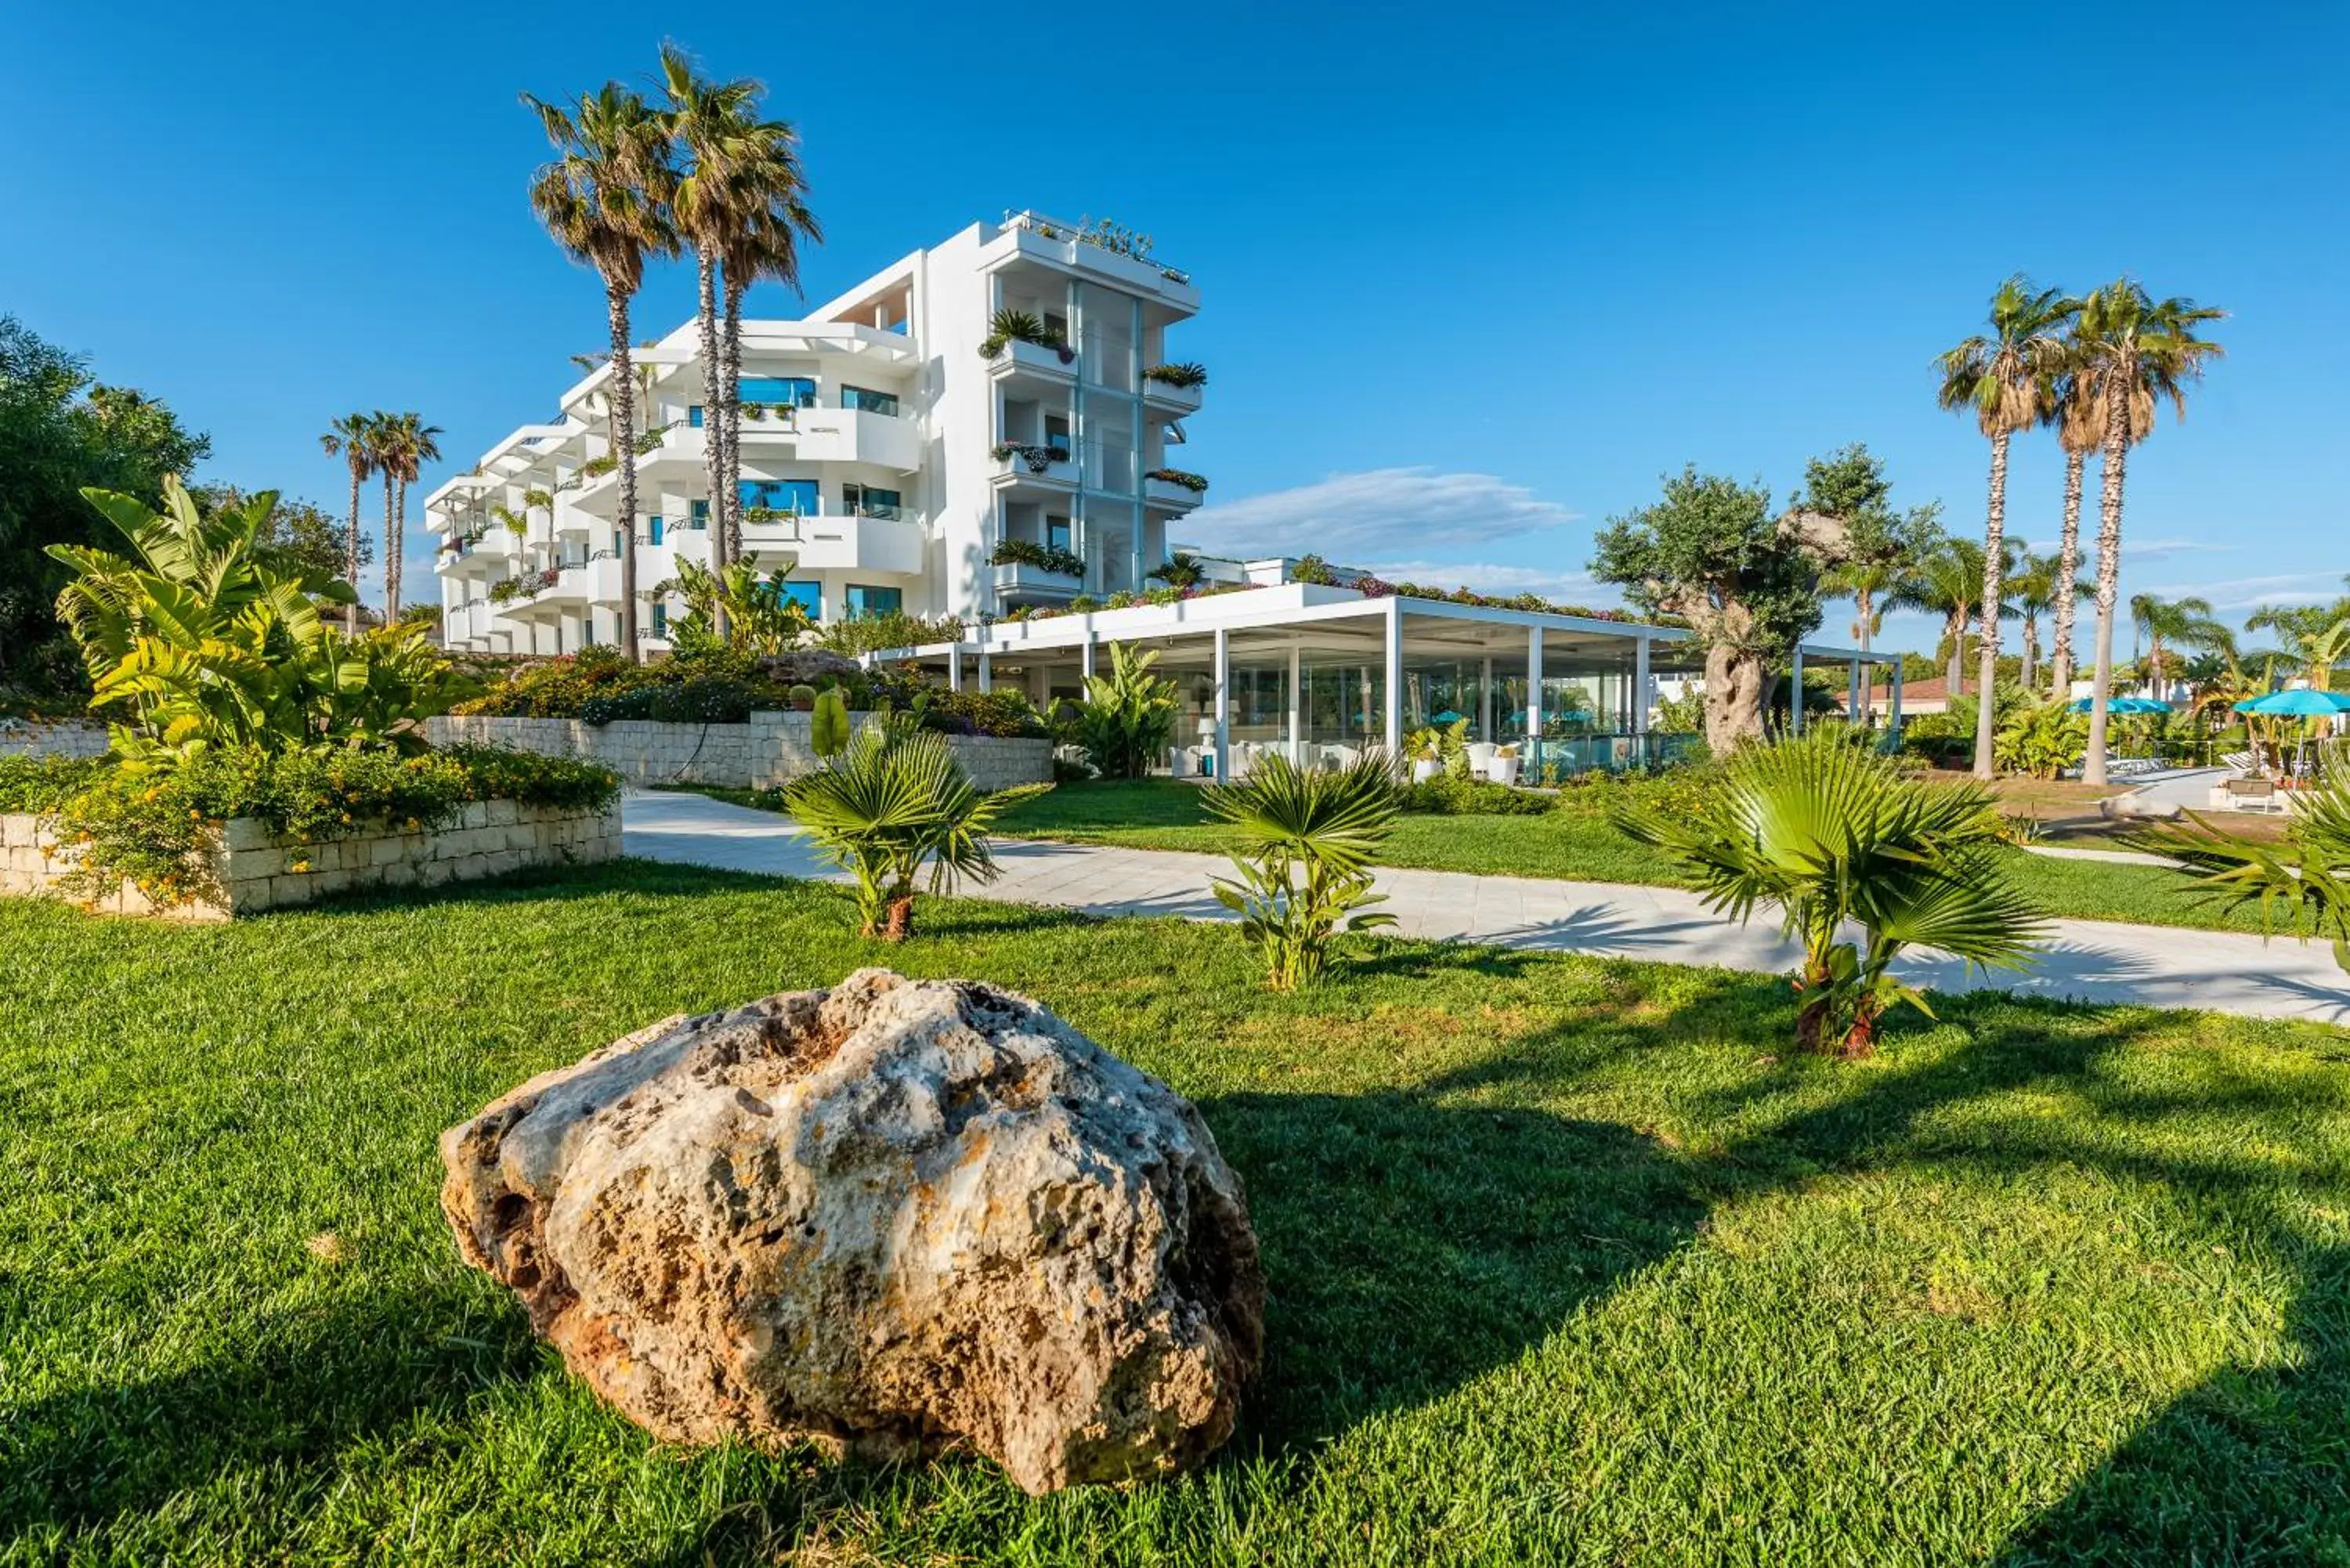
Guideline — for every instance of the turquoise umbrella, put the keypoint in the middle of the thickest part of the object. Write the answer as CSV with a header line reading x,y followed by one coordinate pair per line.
x,y
2299,703
2124,705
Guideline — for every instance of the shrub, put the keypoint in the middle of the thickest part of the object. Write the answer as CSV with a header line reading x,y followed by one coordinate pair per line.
x,y
1128,715
1183,478
2040,740
1184,373
152,827
45,783
1447,795
890,628
701,699
1044,557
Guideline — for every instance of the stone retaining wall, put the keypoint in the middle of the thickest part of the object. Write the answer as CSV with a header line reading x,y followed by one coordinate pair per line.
x,y
70,738
769,750
255,871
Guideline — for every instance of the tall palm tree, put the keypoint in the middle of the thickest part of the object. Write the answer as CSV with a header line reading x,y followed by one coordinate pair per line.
x,y
1949,582
605,200
2001,378
407,444
716,134
2077,416
2040,588
2134,350
349,439
766,246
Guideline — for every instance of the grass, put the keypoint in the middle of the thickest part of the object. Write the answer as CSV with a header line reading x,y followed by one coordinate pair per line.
x,y
1570,1262
1574,844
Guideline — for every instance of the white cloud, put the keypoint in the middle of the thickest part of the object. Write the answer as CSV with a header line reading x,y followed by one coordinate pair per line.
x,y
2135,552
1357,519
2251,593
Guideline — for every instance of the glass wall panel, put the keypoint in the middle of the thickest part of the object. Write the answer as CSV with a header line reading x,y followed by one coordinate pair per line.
x,y
1346,708
1260,702
1108,350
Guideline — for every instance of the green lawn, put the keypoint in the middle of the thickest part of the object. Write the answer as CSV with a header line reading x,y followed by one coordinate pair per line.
x,y
1570,1261
1576,845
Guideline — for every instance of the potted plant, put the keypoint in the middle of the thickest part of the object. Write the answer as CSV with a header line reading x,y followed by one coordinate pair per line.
x,y
1426,751
802,699
1503,768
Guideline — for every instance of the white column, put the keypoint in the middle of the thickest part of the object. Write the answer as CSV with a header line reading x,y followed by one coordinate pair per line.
x,y
1224,706
1530,761
1394,705
1485,701
1640,682
1795,698
1085,654
1893,707
1297,706
986,671
955,668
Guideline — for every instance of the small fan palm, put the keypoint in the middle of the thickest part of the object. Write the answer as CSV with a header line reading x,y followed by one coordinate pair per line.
x,y
1828,833
1307,839
2302,882
893,802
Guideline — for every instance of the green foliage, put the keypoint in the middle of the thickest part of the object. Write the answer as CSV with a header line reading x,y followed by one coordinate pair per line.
x,y
2300,883
45,783
1829,832
697,699
891,628
762,618
154,826
1185,373
1307,839
1006,715
1007,327
1182,478
828,725
1312,569
1044,557
1179,571
1459,795
296,536
2040,740
1128,715
1445,743
598,684
207,640
61,431
1681,715
895,801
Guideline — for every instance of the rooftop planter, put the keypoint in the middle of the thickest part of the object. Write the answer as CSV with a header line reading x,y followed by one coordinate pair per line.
x,y
1177,478
1054,559
1006,328
1189,375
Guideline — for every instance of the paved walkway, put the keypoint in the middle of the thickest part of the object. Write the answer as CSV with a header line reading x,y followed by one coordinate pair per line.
x,y
2088,961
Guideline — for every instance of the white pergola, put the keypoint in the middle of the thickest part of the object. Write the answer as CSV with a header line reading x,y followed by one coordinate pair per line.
x,y
1298,622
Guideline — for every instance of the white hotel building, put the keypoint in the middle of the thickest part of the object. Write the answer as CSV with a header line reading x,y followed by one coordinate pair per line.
x,y
868,439
875,467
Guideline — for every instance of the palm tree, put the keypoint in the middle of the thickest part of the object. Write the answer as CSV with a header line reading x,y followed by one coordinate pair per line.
x,y
2182,623
1949,582
407,444
2002,379
2078,418
768,247
2134,351
2317,637
1306,840
383,440
349,439
606,200
1833,834
2036,594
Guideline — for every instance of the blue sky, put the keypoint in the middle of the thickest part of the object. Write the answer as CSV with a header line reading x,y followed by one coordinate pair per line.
x,y
1474,277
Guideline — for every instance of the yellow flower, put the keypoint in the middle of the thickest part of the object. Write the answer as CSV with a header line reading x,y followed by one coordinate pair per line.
x,y
413,824
347,816
298,867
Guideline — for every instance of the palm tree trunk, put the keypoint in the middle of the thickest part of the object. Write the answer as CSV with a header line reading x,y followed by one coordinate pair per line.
x,y
1954,677
390,554
352,561
2068,572
731,389
2113,466
1863,602
624,394
713,439
399,547
2031,646
1995,563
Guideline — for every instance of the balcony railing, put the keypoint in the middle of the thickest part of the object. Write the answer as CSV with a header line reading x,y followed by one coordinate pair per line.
x,y
1101,233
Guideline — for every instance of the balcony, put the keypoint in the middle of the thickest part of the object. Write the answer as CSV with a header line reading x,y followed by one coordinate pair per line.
x,y
1018,580
1167,397
1022,361
861,541
1018,463
1168,496
1100,250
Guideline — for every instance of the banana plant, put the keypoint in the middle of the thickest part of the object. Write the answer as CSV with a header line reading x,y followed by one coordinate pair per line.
x,y
1833,836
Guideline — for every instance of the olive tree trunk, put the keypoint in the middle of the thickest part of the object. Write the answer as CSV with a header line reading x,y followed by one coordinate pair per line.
x,y
1987,647
2068,572
1735,682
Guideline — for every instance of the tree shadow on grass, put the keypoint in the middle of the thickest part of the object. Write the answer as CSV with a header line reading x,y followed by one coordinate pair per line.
x,y
287,1401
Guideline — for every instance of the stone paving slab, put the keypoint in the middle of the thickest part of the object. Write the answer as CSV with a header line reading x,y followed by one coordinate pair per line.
x,y
2085,961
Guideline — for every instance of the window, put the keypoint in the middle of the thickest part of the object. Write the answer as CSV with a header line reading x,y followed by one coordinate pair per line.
x,y
693,416
863,600
797,496
699,514
661,619
1057,533
619,540
809,596
653,529
872,402
870,500
777,391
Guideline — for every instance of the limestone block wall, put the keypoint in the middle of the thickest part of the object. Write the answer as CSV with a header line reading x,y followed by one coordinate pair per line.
x,y
764,753
254,870
26,738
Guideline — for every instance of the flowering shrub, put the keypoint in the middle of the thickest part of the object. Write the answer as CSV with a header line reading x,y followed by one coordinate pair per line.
x,y
45,783
153,827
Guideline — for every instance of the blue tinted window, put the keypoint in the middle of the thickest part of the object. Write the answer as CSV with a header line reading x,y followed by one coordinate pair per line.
x,y
785,391
653,530
867,399
809,596
693,416
795,495
701,513
863,600
660,620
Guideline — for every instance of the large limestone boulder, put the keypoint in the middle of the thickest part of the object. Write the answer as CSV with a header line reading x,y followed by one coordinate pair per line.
x,y
899,1216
